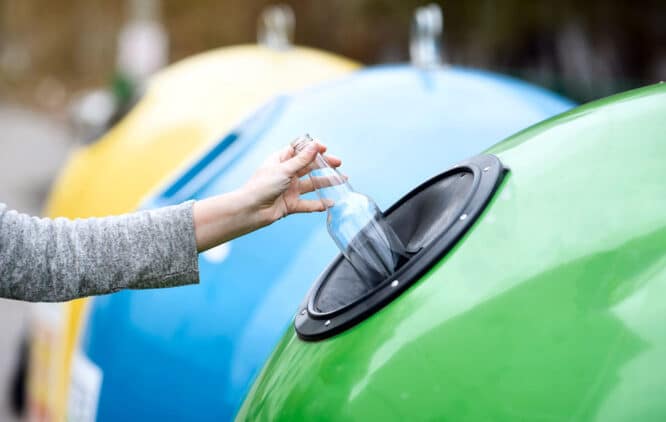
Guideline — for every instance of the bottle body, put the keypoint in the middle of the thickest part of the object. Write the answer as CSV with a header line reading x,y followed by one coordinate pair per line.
x,y
355,223
366,240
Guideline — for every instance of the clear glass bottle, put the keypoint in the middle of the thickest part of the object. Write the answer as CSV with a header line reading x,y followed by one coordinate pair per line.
x,y
355,222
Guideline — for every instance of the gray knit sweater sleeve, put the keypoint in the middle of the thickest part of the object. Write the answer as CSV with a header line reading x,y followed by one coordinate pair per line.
x,y
44,260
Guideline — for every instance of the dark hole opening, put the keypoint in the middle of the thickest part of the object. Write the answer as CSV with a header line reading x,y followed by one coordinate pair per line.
x,y
417,222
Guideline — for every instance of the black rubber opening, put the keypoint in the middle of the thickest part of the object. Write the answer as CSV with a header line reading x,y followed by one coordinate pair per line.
x,y
429,220
417,223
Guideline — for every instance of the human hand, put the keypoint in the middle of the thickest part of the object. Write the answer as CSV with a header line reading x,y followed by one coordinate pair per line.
x,y
274,191
276,187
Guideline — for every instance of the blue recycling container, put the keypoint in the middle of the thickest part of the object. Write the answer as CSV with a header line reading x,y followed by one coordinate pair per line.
x,y
193,352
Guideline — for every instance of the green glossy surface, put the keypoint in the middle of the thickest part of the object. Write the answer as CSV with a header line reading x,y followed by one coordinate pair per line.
x,y
552,307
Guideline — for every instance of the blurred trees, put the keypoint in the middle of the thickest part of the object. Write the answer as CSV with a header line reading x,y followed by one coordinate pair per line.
x,y
585,49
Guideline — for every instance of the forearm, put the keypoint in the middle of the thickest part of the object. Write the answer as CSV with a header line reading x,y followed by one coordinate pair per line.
x,y
221,218
56,260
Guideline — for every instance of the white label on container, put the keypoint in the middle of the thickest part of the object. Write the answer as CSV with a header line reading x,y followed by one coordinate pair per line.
x,y
86,382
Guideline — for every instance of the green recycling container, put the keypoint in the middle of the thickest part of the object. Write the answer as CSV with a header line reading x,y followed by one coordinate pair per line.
x,y
538,293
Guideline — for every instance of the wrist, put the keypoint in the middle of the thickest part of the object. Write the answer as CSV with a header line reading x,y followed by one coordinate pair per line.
x,y
261,208
223,217
251,209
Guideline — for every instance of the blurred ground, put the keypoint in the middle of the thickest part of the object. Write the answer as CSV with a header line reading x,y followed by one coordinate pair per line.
x,y
32,148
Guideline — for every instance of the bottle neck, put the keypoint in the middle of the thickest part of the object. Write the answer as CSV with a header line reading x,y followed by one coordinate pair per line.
x,y
301,142
328,183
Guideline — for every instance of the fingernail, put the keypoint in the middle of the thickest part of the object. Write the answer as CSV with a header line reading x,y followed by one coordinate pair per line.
x,y
311,147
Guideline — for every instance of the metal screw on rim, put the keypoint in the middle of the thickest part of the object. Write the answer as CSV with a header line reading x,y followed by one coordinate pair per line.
x,y
463,217
303,312
485,169
327,323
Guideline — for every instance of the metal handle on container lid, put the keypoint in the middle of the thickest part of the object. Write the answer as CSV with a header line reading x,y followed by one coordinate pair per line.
x,y
275,28
425,46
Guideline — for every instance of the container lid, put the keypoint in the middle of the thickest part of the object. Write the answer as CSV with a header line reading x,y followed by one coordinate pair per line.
x,y
430,219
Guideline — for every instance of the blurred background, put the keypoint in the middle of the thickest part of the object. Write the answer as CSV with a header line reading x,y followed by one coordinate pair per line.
x,y
53,52
585,50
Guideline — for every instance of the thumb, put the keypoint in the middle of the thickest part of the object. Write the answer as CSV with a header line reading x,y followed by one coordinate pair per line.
x,y
301,160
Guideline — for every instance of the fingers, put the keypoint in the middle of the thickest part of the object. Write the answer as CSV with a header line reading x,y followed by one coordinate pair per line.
x,y
312,183
311,205
299,164
332,161
302,160
305,186
286,153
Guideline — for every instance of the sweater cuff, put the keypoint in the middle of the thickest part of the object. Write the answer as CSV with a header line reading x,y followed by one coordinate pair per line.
x,y
180,239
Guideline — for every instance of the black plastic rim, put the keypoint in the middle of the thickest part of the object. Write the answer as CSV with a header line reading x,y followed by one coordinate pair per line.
x,y
312,325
